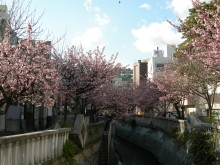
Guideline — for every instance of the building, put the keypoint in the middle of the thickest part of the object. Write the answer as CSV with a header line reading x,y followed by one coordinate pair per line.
x,y
159,59
124,78
147,68
3,20
140,71
4,16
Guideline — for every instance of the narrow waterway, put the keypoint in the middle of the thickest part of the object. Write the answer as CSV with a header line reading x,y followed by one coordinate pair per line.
x,y
130,154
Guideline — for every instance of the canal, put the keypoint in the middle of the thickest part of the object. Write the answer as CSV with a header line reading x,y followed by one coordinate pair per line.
x,y
131,154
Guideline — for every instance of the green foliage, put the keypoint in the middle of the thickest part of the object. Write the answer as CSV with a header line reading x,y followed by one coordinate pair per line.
x,y
191,21
65,125
200,144
201,148
206,119
211,120
70,149
179,138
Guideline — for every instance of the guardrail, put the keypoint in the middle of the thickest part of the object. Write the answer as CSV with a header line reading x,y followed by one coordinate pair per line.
x,y
166,125
32,148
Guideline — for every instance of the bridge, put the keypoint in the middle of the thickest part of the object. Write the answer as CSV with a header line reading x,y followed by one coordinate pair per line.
x,y
97,146
153,135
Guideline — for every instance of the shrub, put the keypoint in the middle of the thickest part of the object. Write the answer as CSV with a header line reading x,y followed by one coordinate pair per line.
x,y
70,149
201,149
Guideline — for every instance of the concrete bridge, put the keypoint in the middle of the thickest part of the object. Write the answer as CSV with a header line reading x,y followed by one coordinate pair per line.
x,y
150,134
153,135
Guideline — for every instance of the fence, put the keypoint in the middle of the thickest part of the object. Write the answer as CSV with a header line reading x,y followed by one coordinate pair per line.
x,y
32,148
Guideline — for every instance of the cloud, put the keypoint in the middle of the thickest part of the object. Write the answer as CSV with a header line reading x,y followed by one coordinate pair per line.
x,y
145,6
100,17
115,29
148,37
181,7
88,5
90,39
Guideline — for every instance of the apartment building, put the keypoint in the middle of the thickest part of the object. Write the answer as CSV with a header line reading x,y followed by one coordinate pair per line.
x,y
147,68
159,59
124,78
140,71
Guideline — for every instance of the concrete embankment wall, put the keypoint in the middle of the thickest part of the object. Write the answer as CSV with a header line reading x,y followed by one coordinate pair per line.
x,y
154,141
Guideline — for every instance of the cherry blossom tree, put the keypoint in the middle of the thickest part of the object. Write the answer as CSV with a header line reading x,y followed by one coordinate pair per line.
x,y
28,75
202,29
187,79
81,72
110,98
146,96
198,55
124,99
174,86
202,82
18,15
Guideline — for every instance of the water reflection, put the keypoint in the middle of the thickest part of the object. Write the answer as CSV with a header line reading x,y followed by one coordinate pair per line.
x,y
130,154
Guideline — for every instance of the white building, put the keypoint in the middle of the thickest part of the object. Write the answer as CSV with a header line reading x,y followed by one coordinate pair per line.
x,y
159,59
3,12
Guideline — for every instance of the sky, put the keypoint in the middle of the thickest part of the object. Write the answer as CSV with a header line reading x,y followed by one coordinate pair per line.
x,y
131,28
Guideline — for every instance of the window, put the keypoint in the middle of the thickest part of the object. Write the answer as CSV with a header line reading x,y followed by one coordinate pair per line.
x,y
159,66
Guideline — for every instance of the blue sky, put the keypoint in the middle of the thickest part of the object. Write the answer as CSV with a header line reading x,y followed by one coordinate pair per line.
x,y
133,28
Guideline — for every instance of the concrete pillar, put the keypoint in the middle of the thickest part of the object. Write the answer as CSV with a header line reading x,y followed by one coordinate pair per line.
x,y
16,154
1,154
53,143
41,149
27,151
32,150
37,150
56,145
46,149
8,154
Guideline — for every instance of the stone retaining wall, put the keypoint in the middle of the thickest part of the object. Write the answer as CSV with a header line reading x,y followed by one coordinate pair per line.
x,y
154,141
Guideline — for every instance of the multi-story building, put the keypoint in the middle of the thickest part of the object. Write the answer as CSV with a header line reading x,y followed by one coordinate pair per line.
x,y
3,12
159,59
124,78
147,68
4,16
140,70
3,19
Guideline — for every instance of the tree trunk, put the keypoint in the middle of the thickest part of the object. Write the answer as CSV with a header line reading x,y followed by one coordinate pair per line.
x,y
177,110
65,109
7,105
183,111
164,109
209,111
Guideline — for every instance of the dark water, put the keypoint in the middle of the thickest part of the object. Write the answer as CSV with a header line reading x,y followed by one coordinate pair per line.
x,y
130,154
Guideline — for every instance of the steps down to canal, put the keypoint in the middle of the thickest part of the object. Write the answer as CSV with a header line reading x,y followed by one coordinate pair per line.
x,y
103,152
